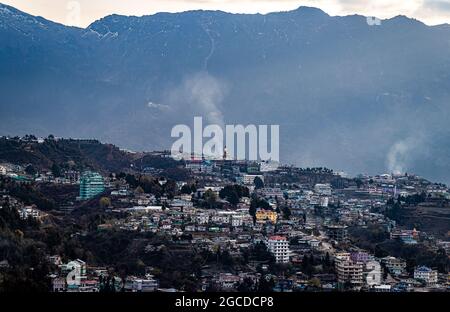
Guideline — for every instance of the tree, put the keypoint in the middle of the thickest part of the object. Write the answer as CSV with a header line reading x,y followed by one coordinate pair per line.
x,y
247,285
259,184
233,193
286,212
230,194
314,282
170,188
233,198
265,285
225,258
56,170
30,170
186,189
259,203
210,198
105,202
252,212
359,183
260,253
139,190
327,261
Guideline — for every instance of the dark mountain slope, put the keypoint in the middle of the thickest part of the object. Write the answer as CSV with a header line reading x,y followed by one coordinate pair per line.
x,y
346,95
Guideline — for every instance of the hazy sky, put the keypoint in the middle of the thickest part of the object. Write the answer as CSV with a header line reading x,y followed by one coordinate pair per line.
x,y
84,12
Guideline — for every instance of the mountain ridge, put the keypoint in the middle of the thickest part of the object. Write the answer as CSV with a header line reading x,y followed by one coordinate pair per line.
x,y
345,94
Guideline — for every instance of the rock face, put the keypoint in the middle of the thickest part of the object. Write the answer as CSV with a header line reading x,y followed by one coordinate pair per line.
x,y
346,94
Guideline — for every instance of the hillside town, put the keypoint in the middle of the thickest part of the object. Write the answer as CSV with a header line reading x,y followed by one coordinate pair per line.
x,y
239,225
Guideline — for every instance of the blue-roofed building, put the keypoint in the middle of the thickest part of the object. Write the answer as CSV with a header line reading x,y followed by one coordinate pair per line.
x,y
429,276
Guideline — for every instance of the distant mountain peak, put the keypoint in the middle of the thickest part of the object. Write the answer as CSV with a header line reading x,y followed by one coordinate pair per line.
x,y
309,10
9,10
403,19
12,16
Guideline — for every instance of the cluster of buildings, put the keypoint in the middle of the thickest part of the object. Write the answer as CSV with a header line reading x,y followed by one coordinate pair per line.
x,y
306,217
320,217
77,276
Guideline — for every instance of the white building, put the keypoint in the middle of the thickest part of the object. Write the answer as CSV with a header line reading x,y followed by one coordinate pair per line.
x,y
222,217
199,166
426,274
382,288
250,178
279,247
2,170
26,212
267,166
324,201
202,218
237,220
270,192
323,189
147,284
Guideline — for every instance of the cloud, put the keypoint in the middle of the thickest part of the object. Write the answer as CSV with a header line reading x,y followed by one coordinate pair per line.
x,y
157,106
437,5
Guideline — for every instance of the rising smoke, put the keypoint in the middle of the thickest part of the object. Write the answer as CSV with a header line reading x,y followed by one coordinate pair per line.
x,y
200,94
400,154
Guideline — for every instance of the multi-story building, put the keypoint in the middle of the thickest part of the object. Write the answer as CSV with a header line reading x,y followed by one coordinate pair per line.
x,y
221,218
91,184
199,166
58,284
263,215
202,218
29,212
337,232
426,274
361,256
250,178
348,271
279,247
147,284
323,189
71,176
269,192
404,234
394,265
237,220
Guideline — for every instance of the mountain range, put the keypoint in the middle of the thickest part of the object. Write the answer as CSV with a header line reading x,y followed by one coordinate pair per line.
x,y
346,93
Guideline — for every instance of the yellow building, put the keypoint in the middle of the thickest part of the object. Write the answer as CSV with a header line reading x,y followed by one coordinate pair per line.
x,y
263,215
